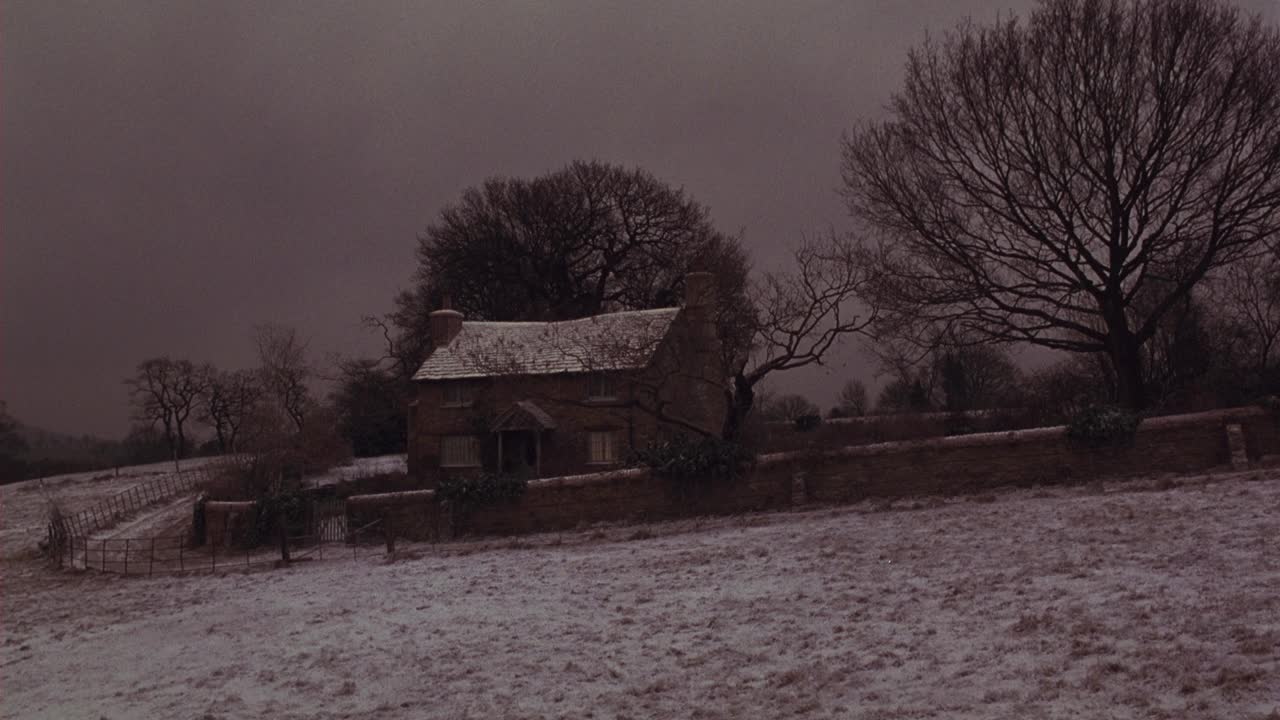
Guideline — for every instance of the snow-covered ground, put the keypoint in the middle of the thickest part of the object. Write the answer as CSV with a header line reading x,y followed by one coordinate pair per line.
x,y
362,467
1119,601
24,505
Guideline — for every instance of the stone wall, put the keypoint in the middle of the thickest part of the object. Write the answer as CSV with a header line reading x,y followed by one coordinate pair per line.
x,y
951,465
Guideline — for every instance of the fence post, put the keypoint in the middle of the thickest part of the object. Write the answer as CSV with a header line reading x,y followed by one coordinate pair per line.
x,y
389,531
151,564
126,556
283,528
213,555
86,552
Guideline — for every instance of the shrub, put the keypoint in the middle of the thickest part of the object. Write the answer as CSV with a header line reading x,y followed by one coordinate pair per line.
x,y
692,459
1103,426
269,511
487,490
808,422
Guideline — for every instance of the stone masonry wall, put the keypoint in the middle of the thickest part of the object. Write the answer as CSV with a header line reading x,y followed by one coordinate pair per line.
x,y
961,464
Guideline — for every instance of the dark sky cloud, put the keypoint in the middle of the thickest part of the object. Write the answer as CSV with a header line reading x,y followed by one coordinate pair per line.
x,y
176,172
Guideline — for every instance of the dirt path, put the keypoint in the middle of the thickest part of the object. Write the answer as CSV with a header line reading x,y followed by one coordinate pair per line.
x,y
155,520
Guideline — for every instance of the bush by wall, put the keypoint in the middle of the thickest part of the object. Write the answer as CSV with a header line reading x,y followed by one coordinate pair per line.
x,y
473,492
1099,426
806,423
686,459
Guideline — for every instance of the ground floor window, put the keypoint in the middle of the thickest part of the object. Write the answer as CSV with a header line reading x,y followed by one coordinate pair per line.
x,y
602,447
460,451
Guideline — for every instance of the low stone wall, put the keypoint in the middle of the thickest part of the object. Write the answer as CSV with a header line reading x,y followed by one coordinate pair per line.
x,y
951,465
968,463
1174,444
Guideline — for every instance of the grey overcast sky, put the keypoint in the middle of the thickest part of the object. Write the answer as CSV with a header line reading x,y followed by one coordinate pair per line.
x,y
174,173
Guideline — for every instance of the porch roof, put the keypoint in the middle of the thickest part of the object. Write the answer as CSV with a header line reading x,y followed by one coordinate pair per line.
x,y
524,415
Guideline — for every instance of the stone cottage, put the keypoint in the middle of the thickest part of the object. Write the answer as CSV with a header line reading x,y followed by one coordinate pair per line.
x,y
543,399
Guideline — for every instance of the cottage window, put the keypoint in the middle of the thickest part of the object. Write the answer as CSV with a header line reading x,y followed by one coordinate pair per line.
x,y
457,395
602,447
460,451
601,387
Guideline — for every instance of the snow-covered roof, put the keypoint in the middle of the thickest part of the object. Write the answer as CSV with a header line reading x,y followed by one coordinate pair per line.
x,y
613,341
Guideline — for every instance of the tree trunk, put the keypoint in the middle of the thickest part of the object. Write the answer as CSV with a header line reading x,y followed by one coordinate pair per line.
x,y
1126,360
740,400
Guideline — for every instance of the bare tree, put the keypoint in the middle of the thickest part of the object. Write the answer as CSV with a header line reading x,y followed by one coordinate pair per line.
x,y
852,400
975,377
1035,178
796,318
164,392
787,408
285,370
228,400
1251,304
904,395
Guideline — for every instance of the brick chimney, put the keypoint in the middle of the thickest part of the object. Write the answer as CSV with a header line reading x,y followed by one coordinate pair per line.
x,y
705,405
699,290
699,308
445,324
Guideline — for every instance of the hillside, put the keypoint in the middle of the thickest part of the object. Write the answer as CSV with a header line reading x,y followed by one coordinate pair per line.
x,y
1144,599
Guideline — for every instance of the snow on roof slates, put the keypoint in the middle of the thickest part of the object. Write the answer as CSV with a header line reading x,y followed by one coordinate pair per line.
x,y
613,341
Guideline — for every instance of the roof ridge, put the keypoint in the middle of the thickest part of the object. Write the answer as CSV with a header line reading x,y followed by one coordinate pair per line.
x,y
530,323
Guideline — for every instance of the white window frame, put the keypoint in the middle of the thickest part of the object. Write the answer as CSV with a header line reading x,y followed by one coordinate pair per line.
x,y
457,395
602,447
460,451
602,383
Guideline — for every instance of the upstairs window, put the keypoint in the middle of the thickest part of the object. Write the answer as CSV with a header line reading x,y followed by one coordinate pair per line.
x,y
460,451
602,447
457,395
602,387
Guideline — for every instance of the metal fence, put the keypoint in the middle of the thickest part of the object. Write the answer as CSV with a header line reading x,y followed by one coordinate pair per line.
x,y
127,502
174,554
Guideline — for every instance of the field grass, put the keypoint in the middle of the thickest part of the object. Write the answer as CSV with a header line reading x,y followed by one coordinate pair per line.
x,y
1147,599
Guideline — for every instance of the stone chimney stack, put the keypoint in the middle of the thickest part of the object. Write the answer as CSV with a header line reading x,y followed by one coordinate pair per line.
x,y
445,324
699,290
705,404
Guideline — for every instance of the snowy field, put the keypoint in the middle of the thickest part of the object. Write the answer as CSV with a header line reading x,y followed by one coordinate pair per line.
x,y
24,505
1156,599
362,467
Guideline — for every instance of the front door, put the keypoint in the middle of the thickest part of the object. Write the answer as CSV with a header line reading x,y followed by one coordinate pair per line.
x,y
519,453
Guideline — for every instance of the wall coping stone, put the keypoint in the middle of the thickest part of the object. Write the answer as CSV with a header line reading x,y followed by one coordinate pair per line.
x,y
999,438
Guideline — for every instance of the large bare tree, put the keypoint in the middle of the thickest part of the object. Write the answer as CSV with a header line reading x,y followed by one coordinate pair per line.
x,y
795,318
1034,178
285,370
228,400
164,392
